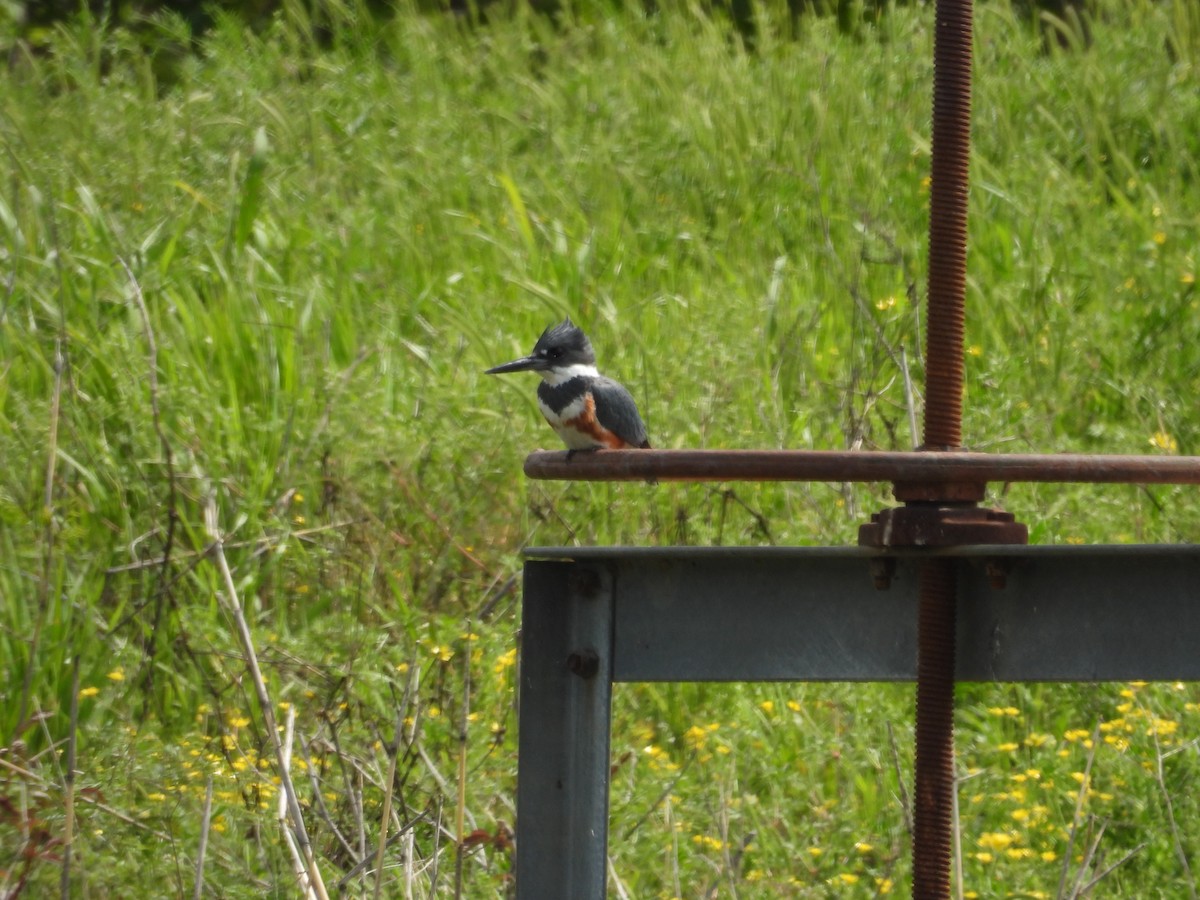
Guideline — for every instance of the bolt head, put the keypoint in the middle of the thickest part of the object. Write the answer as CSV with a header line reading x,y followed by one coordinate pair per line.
x,y
584,663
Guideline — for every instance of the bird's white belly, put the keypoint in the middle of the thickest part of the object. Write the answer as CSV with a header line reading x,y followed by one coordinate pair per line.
x,y
571,436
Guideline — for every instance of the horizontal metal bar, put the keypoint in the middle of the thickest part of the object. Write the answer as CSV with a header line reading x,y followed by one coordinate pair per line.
x,y
864,554
839,466
813,614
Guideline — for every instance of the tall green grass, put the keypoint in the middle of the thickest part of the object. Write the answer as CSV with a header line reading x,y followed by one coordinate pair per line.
x,y
331,244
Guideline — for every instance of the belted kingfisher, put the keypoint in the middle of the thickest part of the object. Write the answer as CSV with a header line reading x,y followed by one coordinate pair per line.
x,y
587,410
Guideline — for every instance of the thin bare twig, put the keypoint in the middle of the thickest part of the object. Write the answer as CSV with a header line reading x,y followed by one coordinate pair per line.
x,y
299,862
959,780
260,545
909,399
403,833
461,796
729,867
615,880
69,783
438,778
1079,802
37,779
162,581
1120,862
1086,862
676,882
494,595
393,757
437,850
1159,776
319,803
905,806
410,850
234,606
663,796
205,824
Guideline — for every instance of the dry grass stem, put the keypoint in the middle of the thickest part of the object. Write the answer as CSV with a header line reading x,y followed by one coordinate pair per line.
x,y
910,403
69,782
320,806
259,545
202,847
386,815
299,862
231,601
461,794
1080,800
615,881
901,782
1176,839
1110,869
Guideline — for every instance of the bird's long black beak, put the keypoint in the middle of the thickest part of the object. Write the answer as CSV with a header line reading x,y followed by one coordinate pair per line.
x,y
524,364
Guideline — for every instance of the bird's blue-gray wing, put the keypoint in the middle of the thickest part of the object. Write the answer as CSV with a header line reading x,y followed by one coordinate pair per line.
x,y
616,411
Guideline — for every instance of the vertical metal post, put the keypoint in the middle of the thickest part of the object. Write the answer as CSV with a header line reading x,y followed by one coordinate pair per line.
x,y
565,715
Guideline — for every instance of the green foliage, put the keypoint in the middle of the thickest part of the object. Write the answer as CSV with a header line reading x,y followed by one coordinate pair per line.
x,y
330,240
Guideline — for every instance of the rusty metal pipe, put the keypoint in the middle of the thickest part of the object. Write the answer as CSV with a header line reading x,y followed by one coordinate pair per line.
x,y
838,466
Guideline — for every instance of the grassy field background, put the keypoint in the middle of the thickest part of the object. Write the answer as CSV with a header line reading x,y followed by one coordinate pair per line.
x,y
263,280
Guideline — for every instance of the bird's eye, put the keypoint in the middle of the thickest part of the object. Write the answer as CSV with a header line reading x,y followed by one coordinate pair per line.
x,y
555,353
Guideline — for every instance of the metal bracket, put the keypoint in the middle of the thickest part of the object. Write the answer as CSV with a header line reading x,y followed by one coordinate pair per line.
x,y
594,616
941,525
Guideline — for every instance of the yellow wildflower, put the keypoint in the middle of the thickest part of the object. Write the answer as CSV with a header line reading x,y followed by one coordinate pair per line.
x,y
505,661
996,840
1163,441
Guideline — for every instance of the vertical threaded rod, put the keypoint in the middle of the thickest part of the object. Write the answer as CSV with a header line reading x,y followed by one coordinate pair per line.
x,y
945,321
935,731
951,150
